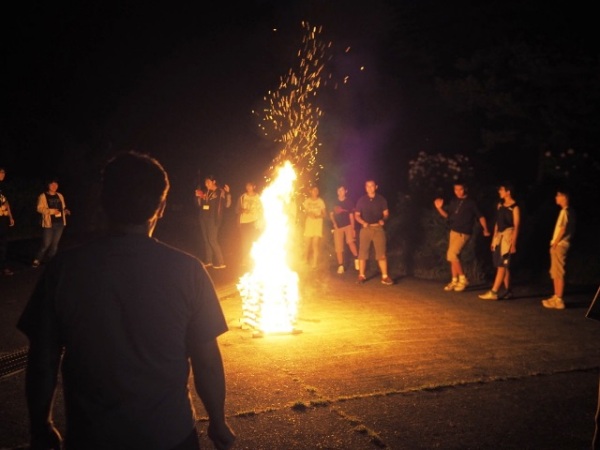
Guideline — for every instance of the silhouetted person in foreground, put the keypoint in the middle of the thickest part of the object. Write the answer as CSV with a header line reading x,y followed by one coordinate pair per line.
x,y
130,315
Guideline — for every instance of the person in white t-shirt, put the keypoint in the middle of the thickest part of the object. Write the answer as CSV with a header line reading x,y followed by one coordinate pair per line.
x,y
559,247
314,209
251,222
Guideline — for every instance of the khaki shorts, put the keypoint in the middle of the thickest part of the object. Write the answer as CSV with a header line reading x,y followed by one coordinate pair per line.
x,y
372,234
558,258
342,235
313,227
456,243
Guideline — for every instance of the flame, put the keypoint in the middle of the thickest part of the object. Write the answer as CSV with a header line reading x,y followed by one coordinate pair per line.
x,y
270,291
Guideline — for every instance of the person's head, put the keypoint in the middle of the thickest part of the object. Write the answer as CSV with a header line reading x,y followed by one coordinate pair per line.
x,y
250,187
563,196
341,191
370,187
2,173
52,184
210,182
506,189
314,191
460,189
134,189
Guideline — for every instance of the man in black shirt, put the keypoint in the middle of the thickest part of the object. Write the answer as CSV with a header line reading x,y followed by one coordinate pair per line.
x,y
461,214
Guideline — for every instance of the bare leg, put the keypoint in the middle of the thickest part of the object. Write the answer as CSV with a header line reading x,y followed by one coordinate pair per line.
x,y
500,272
353,250
340,258
559,287
383,266
307,247
362,265
456,268
507,279
316,246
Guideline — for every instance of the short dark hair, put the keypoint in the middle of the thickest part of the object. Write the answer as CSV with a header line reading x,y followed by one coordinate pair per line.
x,y
508,186
134,186
564,190
462,183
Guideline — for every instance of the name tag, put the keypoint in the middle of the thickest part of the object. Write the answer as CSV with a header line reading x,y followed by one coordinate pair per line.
x,y
205,207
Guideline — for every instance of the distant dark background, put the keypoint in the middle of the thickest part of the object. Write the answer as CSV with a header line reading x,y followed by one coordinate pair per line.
x,y
504,83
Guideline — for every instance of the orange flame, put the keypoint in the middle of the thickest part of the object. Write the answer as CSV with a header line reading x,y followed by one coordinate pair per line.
x,y
270,291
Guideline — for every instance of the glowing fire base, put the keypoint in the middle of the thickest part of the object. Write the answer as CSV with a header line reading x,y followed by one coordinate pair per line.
x,y
269,306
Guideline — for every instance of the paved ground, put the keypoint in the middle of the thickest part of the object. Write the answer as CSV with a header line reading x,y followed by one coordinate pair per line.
x,y
398,367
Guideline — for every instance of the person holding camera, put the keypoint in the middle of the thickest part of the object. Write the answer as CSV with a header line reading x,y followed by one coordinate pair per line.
x,y
53,209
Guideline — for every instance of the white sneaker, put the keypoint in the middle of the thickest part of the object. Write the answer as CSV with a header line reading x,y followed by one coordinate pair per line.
x,y
489,295
450,286
554,303
461,285
340,269
356,264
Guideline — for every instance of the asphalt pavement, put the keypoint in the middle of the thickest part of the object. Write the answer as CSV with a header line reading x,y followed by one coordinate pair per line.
x,y
369,366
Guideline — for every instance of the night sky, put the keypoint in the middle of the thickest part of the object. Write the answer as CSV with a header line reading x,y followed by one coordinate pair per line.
x,y
180,81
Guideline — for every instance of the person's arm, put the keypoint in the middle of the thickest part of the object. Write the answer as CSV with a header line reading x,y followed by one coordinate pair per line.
x,y
227,196
239,208
42,205
439,206
517,225
562,229
352,221
332,218
386,215
39,324
11,220
495,238
359,219
43,362
209,381
323,211
483,223
66,210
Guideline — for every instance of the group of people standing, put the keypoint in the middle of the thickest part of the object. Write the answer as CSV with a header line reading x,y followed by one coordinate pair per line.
x,y
53,219
370,212
461,215
212,201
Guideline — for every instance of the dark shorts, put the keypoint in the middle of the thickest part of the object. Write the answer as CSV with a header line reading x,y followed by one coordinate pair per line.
x,y
501,260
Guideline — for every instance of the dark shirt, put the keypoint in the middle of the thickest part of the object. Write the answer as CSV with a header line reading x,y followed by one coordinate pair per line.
x,y
462,215
371,208
54,202
342,219
213,204
505,217
124,308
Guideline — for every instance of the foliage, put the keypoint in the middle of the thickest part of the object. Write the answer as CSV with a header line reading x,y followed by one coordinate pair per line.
x,y
429,175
